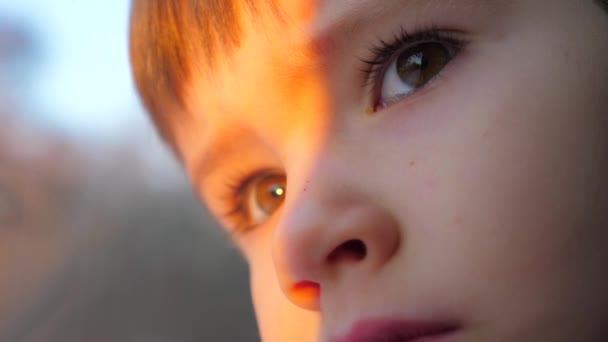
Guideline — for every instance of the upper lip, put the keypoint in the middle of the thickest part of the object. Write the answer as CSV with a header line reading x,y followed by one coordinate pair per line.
x,y
395,330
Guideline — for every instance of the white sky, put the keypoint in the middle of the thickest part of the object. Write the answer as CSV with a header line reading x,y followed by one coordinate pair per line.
x,y
83,84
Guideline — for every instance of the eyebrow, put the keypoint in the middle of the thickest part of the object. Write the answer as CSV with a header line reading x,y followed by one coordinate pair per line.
x,y
363,11
226,144
358,15
349,21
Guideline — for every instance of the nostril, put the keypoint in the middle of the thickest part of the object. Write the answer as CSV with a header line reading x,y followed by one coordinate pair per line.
x,y
351,250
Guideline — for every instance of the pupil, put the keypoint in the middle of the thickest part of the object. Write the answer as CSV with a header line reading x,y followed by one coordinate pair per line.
x,y
418,65
419,60
269,194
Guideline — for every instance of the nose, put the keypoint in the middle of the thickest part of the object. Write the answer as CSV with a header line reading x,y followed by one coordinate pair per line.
x,y
331,233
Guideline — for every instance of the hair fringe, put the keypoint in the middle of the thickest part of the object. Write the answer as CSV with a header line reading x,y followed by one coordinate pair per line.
x,y
170,40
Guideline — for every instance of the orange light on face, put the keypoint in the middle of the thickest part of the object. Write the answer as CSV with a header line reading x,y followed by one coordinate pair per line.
x,y
306,294
266,114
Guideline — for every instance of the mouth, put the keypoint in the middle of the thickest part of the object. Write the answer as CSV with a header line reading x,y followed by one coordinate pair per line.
x,y
399,331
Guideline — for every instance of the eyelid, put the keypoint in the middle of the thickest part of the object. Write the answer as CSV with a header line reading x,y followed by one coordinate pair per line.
x,y
384,51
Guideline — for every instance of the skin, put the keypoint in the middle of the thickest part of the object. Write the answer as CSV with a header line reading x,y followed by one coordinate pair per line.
x,y
481,198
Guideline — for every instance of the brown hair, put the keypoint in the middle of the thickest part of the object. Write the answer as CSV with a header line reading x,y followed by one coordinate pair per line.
x,y
170,39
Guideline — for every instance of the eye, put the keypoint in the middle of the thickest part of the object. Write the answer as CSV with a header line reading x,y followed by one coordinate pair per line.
x,y
411,70
252,200
404,66
263,197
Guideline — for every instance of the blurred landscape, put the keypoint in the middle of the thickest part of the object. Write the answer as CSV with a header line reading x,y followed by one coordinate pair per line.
x,y
101,238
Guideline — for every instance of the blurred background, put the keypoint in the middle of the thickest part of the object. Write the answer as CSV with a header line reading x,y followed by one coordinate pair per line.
x,y
100,237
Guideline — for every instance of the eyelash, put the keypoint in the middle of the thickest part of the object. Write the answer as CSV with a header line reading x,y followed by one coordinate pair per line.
x,y
384,51
234,186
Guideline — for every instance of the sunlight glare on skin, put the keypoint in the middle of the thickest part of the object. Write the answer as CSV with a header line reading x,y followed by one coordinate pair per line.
x,y
268,80
276,75
296,82
306,292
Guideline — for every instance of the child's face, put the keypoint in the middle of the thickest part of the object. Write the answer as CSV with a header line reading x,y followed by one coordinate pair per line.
x,y
462,184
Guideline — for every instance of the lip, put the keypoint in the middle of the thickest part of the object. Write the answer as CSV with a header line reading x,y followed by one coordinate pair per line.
x,y
399,331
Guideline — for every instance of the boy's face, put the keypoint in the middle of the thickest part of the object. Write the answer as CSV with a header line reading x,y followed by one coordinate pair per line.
x,y
462,186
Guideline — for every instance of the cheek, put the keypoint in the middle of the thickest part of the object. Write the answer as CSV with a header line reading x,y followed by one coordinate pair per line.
x,y
522,142
504,188
516,191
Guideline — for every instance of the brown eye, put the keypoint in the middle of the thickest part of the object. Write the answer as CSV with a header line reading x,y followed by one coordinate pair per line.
x,y
265,196
412,69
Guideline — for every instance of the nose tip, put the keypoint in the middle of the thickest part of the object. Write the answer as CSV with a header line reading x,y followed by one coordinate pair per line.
x,y
323,246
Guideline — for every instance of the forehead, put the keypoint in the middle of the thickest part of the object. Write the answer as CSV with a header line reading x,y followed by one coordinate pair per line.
x,y
278,52
302,36
279,79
